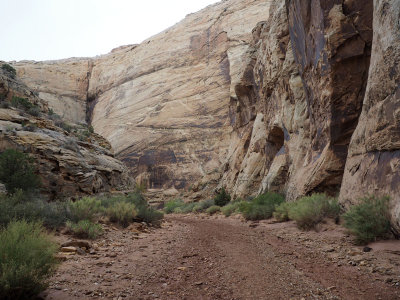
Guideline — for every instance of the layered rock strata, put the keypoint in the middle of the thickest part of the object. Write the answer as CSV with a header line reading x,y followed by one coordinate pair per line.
x,y
163,104
253,95
300,98
68,165
373,163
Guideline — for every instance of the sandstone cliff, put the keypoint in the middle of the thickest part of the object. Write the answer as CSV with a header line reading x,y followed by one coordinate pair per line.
x,y
293,96
373,164
69,159
300,98
163,104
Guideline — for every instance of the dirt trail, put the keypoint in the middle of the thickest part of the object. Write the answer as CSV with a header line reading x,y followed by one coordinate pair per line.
x,y
196,257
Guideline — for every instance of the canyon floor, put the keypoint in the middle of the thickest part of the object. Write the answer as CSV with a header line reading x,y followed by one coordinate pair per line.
x,y
202,257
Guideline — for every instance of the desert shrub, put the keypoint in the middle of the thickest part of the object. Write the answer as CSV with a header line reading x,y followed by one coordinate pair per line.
x,y
197,208
9,69
171,205
85,229
213,209
83,135
140,187
53,116
150,215
281,212
21,206
187,207
178,210
369,220
34,111
91,129
86,208
222,198
59,123
29,127
26,260
231,208
110,201
202,205
21,103
17,171
261,207
144,212
311,210
122,213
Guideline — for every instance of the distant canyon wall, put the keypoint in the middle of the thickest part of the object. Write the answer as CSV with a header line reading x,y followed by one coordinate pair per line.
x,y
163,104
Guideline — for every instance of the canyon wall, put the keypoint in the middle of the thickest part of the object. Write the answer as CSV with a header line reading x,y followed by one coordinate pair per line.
x,y
373,164
300,98
290,96
69,160
163,104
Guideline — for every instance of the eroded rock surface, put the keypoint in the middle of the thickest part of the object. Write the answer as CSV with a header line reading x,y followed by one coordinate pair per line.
x,y
163,104
373,164
251,95
68,164
300,98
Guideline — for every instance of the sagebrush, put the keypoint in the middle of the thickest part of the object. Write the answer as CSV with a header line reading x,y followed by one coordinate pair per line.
x,y
17,171
311,210
85,229
369,220
261,207
26,260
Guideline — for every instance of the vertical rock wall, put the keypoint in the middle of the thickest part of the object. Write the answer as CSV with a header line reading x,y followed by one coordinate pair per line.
x,y
373,164
300,97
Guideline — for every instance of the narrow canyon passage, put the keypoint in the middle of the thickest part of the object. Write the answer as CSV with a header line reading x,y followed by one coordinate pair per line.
x,y
197,257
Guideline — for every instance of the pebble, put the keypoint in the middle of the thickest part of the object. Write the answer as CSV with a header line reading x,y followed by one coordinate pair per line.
x,y
68,249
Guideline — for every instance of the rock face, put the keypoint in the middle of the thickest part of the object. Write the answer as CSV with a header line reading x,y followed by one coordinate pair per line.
x,y
163,104
62,84
67,165
373,164
300,98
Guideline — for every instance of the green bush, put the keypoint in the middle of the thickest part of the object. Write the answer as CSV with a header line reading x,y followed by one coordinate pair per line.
x,y
369,220
60,123
34,111
171,205
26,260
85,229
150,215
86,208
144,212
202,206
21,103
188,207
222,198
231,208
122,213
17,171
178,210
261,207
213,209
9,69
311,210
21,206
281,212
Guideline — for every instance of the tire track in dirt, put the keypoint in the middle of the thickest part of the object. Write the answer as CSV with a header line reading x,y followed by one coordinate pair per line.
x,y
193,257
